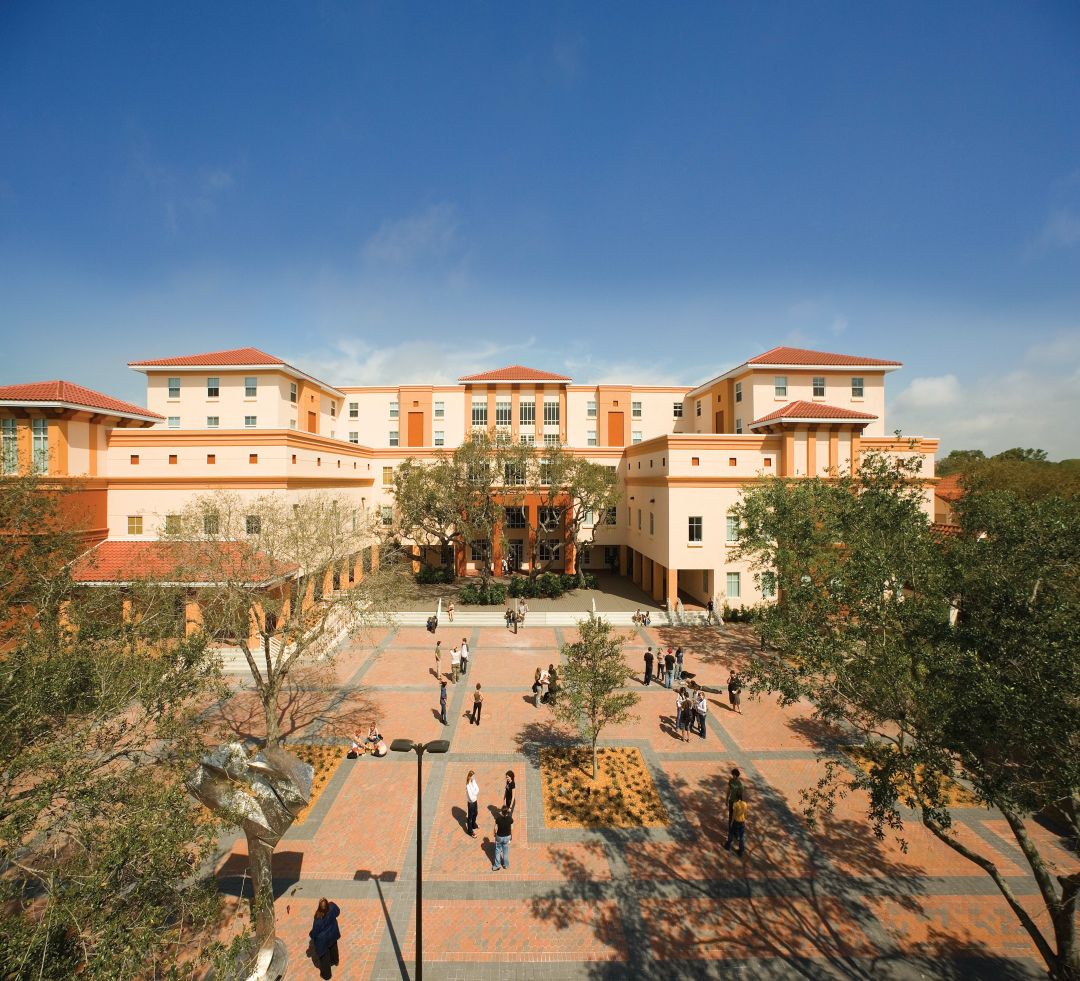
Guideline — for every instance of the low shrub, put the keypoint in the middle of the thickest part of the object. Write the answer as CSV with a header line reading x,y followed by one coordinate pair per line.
x,y
429,575
549,584
476,594
737,614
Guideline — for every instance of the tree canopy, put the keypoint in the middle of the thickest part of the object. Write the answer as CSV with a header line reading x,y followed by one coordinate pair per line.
x,y
953,657
1023,471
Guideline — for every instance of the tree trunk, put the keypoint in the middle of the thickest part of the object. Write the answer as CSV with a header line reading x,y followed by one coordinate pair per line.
x,y
268,696
594,759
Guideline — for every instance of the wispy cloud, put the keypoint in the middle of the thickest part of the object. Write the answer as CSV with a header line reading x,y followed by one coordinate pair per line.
x,y
568,55
1035,404
429,233
184,196
1061,230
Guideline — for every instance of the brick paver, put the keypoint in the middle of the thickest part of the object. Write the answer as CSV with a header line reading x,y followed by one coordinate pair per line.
x,y
668,902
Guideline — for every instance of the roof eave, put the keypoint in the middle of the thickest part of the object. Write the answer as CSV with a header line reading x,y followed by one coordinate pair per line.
x,y
748,366
814,420
79,407
287,369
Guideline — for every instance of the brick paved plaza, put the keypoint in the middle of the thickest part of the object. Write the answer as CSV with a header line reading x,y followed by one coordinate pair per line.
x,y
658,903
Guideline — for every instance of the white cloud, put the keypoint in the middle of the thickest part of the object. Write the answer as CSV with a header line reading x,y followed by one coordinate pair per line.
x,y
430,233
1061,231
1035,404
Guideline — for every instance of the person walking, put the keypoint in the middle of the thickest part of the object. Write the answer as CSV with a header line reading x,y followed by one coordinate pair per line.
x,y
324,935
669,669
678,663
455,664
734,690
737,826
442,701
684,712
710,609
508,793
701,709
464,656
523,608
450,611
477,704
734,793
536,689
472,795
504,821
648,666
438,656
508,616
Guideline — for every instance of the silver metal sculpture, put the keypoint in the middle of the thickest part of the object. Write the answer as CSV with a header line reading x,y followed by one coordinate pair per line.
x,y
263,795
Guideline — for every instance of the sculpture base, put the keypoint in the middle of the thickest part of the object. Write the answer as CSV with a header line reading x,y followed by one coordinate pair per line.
x,y
275,970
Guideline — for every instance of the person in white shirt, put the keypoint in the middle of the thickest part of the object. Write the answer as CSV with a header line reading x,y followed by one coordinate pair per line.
x,y
464,656
472,795
701,708
455,664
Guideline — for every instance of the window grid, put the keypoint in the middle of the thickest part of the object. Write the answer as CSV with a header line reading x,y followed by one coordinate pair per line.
x,y
292,392
695,529
440,410
780,386
551,412
635,410
738,427
395,409
857,388
174,388
213,388
819,386
590,438
738,391
251,387
635,436
479,412
590,410
39,429
393,437
9,448
354,410
212,422
354,437
134,524
387,515
387,476
527,413
250,422
733,585
502,413
440,437
676,410
174,422
732,528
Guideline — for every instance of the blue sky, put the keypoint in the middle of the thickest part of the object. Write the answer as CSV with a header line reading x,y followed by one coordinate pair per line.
x,y
389,192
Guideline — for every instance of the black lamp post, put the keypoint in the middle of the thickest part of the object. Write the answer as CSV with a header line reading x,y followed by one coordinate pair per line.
x,y
408,746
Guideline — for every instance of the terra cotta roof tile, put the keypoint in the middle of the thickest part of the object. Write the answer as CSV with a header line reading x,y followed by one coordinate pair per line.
x,y
72,394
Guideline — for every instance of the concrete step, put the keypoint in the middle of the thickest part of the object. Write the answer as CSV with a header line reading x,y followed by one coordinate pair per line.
x,y
495,618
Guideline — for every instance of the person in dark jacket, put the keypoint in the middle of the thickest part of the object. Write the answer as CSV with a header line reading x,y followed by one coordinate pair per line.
x,y
324,937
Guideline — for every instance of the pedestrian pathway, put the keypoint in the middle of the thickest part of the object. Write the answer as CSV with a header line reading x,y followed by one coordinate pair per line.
x,y
664,902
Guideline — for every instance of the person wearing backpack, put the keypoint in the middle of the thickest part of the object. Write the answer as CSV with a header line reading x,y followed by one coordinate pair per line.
x,y
737,828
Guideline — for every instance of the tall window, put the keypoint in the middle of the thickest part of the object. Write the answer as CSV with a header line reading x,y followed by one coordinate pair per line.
x,y
676,409
738,427
652,523
387,476
738,391
250,422
514,517
590,409
354,437
695,530
732,528
440,437
174,422
393,437
212,422
551,412
213,388
395,408
253,524
527,413
39,429
134,524
819,386
639,519
387,513
549,549
856,388
211,524
172,524
440,410
697,408
174,388
480,550
610,516
9,446
479,412
768,585
292,392
251,387
733,585
513,473
635,410
635,436
502,413
333,410
354,410
780,386
590,438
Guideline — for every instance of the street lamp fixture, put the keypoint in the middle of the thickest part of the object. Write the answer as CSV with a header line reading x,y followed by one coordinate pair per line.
x,y
408,746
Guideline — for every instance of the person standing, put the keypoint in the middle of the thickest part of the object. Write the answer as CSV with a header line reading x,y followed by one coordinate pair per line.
x,y
553,683
438,656
701,709
648,666
455,664
325,935
503,823
734,690
450,611
442,701
536,689
684,712
669,669
523,608
472,795
737,827
678,663
464,656
477,704
710,609
734,793
508,793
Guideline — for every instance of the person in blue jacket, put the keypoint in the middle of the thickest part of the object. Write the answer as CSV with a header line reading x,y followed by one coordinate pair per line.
x,y
324,937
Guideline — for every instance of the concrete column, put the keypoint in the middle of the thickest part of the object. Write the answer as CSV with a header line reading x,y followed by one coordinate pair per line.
x,y
834,450
856,439
659,580
811,451
787,454
647,574
623,563
672,586
637,568
532,517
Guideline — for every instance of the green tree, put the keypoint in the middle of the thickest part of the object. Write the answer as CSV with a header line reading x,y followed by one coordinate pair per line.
x,y
953,658
427,505
592,687
957,461
100,843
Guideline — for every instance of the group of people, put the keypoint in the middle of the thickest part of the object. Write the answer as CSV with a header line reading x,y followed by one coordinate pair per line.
x,y
691,707
504,819
545,685
669,666
459,660
372,744
516,617
642,618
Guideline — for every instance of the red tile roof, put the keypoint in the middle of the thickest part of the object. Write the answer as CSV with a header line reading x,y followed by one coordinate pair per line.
x,y
239,355
120,562
949,488
514,372
813,410
72,394
801,356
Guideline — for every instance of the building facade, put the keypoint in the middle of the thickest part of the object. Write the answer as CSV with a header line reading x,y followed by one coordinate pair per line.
x,y
250,423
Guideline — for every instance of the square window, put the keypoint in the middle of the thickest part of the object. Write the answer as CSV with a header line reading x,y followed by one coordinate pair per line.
x,y
393,437
590,438
172,524
695,528
354,438
856,388
768,461
676,410
213,388
528,439
514,517
780,386
354,410
211,458
250,422
212,422
732,461
635,436
479,550
590,410
733,585
387,476
134,459
174,422
738,391
252,524
134,524
635,410
174,388
253,458
440,437
172,458
251,387
819,386
695,461
551,439
440,410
